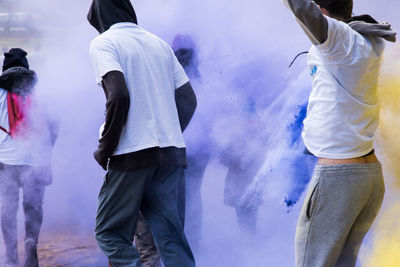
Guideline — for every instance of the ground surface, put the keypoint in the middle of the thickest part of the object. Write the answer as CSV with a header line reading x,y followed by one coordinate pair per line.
x,y
67,249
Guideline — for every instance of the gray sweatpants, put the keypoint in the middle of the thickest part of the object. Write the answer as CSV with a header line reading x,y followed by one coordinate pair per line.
x,y
159,193
341,204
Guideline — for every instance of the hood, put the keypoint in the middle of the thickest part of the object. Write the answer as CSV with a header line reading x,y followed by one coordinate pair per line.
x,y
14,58
366,25
104,13
18,80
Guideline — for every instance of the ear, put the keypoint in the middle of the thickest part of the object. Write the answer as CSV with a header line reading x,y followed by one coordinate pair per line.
x,y
324,11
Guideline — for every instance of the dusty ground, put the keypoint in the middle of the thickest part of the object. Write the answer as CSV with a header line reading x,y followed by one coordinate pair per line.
x,y
67,249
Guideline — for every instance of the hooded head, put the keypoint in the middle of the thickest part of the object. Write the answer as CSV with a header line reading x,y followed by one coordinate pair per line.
x,y
186,53
16,76
104,13
16,57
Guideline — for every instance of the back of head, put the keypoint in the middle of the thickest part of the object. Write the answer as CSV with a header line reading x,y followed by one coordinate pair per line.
x,y
186,52
185,49
16,57
341,9
104,13
16,76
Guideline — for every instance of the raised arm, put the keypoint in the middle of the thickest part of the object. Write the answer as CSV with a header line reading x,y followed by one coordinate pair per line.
x,y
186,104
310,18
117,108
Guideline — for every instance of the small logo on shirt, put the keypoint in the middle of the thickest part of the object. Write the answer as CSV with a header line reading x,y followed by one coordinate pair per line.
x,y
313,70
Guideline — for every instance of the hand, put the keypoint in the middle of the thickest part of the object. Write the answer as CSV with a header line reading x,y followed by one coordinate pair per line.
x,y
101,159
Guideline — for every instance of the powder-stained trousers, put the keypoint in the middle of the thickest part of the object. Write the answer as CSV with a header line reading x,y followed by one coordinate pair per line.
x,y
12,178
158,192
341,205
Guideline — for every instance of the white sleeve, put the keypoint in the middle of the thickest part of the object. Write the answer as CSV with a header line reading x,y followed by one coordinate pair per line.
x,y
342,41
104,58
331,42
180,77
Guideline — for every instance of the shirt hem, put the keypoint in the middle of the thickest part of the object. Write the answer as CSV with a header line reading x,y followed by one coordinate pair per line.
x,y
142,147
339,156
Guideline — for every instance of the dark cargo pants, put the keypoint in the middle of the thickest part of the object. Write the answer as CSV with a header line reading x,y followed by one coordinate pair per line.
x,y
158,192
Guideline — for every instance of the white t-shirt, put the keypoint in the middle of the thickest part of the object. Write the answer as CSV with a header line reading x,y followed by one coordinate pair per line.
x,y
10,150
152,73
34,149
343,111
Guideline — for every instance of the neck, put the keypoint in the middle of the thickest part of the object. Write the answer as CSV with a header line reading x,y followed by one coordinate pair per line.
x,y
339,18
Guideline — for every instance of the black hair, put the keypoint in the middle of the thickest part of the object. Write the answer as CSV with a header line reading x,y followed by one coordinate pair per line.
x,y
337,8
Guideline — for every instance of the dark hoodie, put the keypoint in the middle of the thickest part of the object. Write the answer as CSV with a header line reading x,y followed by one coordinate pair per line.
x,y
19,82
104,13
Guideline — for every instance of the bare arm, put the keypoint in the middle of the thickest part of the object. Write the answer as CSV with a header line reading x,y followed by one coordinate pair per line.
x,y
117,108
310,18
186,104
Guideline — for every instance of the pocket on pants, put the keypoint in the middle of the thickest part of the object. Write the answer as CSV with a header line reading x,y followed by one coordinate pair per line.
x,y
313,200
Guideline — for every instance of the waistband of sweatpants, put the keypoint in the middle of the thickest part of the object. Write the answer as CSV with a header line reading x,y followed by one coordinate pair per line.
x,y
348,169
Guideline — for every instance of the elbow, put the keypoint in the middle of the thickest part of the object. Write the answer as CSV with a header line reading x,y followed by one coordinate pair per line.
x,y
297,10
122,97
297,7
191,97
125,99
193,102
122,101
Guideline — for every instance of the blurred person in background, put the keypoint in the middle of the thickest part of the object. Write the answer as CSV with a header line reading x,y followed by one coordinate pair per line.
x,y
26,140
198,155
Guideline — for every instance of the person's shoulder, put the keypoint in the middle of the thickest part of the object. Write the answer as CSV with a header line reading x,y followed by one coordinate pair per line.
x,y
339,32
101,38
160,43
101,42
337,25
151,37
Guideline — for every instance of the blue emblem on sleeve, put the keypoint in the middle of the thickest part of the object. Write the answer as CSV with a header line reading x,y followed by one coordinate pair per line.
x,y
313,70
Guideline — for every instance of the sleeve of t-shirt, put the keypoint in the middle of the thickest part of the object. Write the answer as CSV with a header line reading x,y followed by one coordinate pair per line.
x,y
104,58
330,44
180,77
338,44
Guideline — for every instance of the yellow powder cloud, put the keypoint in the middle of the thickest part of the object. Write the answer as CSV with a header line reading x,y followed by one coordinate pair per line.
x,y
385,251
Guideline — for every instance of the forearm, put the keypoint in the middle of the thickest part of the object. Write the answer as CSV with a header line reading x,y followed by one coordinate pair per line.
x,y
186,104
310,18
117,108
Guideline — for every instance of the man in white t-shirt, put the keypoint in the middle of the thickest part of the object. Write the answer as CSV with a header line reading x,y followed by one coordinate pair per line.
x,y
347,188
149,103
